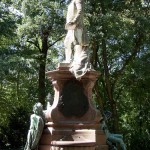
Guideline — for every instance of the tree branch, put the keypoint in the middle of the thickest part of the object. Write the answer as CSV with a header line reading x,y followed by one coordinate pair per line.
x,y
56,41
135,50
36,44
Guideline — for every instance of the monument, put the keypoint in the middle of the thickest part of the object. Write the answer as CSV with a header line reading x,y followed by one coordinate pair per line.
x,y
72,122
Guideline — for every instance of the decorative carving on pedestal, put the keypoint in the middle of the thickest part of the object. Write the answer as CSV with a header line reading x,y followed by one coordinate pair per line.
x,y
72,97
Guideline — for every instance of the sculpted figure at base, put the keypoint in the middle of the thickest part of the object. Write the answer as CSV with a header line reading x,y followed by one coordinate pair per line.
x,y
49,101
36,127
76,39
112,138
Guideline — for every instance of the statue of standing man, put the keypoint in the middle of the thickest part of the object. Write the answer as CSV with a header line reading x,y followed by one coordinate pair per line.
x,y
76,39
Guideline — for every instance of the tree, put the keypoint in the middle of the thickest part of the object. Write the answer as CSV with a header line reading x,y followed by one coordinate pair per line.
x,y
41,28
118,30
119,43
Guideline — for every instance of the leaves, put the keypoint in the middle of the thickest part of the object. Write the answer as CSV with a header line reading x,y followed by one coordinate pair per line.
x,y
32,35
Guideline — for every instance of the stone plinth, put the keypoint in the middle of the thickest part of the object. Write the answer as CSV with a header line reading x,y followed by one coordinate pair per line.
x,y
73,139
72,121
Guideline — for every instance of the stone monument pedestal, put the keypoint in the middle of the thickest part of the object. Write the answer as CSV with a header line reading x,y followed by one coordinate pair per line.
x,y
72,121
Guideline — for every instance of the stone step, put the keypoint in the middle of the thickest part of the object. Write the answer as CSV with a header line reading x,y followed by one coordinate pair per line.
x,y
48,147
59,137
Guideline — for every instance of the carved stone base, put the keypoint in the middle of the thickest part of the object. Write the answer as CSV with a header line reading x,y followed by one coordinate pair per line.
x,y
101,147
72,101
72,137
72,120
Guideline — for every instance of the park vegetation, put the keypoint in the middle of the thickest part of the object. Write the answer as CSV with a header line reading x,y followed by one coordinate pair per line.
x,y
31,42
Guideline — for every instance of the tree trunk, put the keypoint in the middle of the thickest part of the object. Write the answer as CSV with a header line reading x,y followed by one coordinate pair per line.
x,y
42,67
17,85
94,60
108,85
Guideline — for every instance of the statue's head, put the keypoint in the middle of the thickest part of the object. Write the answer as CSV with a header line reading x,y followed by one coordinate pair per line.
x,y
38,108
107,115
68,1
49,97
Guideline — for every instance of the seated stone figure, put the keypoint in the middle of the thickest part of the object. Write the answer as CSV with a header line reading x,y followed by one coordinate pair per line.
x,y
112,138
36,127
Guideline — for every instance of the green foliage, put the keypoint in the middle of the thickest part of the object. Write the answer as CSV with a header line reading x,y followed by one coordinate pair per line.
x,y
135,120
40,29
14,132
119,35
119,46
39,18
7,21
